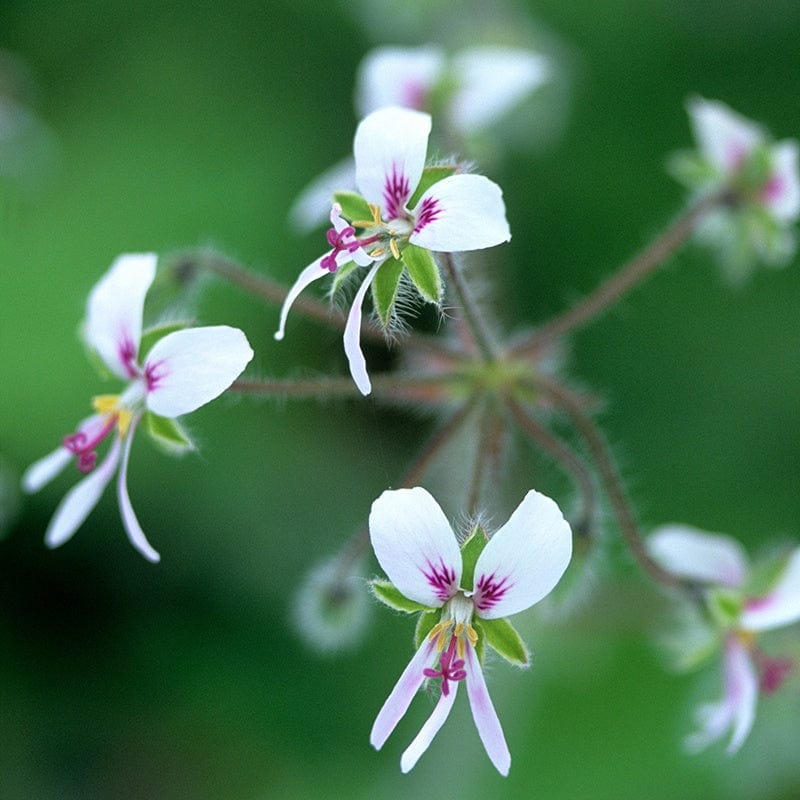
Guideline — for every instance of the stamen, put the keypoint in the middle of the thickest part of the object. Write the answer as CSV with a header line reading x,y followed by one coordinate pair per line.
x,y
394,248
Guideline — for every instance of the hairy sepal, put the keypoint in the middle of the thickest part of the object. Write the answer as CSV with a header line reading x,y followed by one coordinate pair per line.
x,y
503,638
470,550
354,206
423,272
168,434
390,595
431,175
384,289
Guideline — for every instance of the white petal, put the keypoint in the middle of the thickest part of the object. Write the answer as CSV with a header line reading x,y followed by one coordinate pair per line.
x,y
725,138
132,526
311,273
397,76
698,556
79,501
462,212
400,698
781,606
312,206
415,545
189,368
431,727
525,559
782,194
491,81
41,472
390,147
352,336
741,692
486,720
114,311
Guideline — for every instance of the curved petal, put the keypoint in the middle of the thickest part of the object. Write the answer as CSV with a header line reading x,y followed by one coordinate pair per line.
x,y
741,692
390,147
781,606
461,212
79,501
484,715
491,80
311,273
725,138
41,472
524,560
114,311
415,545
397,76
693,554
426,733
352,336
189,368
400,698
782,193
132,526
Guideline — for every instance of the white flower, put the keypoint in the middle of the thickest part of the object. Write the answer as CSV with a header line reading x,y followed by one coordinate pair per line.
x,y
417,549
183,370
720,564
456,213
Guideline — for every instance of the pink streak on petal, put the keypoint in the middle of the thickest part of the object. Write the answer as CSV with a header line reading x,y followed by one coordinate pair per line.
x,y
489,591
431,727
396,191
773,189
442,580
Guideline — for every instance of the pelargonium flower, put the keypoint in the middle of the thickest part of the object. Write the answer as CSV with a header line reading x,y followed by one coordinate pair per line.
x,y
741,603
168,373
763,182
402,214
464,595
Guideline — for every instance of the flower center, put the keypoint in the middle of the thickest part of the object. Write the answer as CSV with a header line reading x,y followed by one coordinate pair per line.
x,y
83,443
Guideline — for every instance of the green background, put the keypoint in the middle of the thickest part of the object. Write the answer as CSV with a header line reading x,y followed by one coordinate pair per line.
x,y
190,124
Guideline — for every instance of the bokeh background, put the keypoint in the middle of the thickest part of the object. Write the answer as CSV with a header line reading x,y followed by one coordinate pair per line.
x,y
160,126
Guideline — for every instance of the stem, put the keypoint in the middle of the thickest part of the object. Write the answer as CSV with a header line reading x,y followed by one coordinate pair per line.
x,y
472,315
627,277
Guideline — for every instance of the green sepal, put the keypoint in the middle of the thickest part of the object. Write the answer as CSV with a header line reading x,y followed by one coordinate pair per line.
x,y
168,434
691,170
384,289
390,595
423,272
724,606
470,550
431,175
756,170
354,206
156,333
765,575
340,275
503,638
426,622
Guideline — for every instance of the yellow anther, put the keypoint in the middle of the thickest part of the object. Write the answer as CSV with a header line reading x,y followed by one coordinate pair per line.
x,y
106,403
747,638
440,630
377,252
123,421
472,635
460,647
394,248
459,629
376,213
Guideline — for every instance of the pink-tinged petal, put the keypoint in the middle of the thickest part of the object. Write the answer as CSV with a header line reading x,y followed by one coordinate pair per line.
x,y
311,207
780,606
352,336
461,212
491,80
725,138
390,147
313,272
132,526
397,76
782,192
400,698
695,555
189,368
415,545
486,720
114,312
79,501
41,472
524,560
431,727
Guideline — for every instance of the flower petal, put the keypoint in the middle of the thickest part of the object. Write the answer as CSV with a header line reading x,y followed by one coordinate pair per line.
x,y
524,560
397,76
781,606
41,472
311,273
79,501
491,81
114,311
782,193
352,336
187,369
431,727
311,207
415,545
400,698
725,138
132,526
698,556
390,147
462,212
486,720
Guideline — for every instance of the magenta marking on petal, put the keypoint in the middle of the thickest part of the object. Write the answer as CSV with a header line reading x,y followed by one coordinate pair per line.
x,y
442,580
773,672
735,154
429,210
773,189
489,591
396,191
126,351
759,603
154,374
